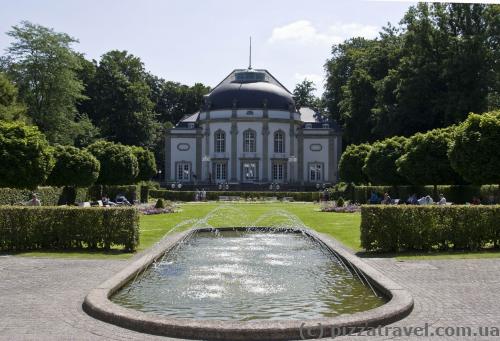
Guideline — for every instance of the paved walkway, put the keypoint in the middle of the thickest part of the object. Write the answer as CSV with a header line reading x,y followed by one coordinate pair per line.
x,y
40,299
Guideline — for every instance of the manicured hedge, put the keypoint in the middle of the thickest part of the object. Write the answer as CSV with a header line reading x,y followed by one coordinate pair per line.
x,y
459,194
396,228
49,196
214,195
55,196
28,228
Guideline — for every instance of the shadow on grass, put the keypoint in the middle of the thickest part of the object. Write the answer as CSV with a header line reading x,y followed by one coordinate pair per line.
x,y
71,253
448,254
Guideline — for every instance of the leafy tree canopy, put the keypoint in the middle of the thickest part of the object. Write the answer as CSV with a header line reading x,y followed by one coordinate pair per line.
x,y
26,156
380,164
425,160
303,94
352,162
10,109
429,72
43,66
147,163
474,151
119,166
73,167
120,103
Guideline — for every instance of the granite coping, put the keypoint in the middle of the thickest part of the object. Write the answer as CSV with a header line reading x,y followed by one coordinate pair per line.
x,y
98,304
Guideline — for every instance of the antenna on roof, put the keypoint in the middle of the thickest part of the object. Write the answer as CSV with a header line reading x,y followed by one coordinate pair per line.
x,y
250,55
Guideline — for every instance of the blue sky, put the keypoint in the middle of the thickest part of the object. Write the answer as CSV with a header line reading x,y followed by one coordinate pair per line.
x,y
202,41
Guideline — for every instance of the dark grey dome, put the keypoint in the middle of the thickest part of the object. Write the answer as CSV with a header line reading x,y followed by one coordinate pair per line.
x,y
251,95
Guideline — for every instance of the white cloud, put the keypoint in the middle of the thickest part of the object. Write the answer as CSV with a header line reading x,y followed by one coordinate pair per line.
x,y
303,31
315,78
318,80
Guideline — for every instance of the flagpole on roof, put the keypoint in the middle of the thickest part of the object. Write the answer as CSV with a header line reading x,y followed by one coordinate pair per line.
x,y
250,55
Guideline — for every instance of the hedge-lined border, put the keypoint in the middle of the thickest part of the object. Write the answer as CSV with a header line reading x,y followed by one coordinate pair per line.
x,y
391,228
31,228
98,305
214,195
55,196
457,194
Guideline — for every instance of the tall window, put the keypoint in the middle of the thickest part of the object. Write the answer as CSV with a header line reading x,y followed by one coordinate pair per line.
x,y
279,171
316,172
279,142
183,171
220,141
249,142
220,171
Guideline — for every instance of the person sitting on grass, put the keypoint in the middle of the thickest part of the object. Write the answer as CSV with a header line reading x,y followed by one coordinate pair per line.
x,y
34,201
374,199
122,200
442,200
106,201
387,199
427,200
412,200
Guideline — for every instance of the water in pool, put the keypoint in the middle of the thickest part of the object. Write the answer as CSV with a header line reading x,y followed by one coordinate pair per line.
x,y
245,275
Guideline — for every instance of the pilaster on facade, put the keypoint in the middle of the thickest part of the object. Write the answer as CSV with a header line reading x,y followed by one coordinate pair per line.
x,y
265,149
300,156
234,151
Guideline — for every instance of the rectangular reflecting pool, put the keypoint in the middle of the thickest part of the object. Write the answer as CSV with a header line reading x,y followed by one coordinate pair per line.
x,y
248,275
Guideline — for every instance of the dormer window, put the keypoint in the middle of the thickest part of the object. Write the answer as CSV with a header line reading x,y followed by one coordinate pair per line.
x,y
326,125
191,125
249,112
308,126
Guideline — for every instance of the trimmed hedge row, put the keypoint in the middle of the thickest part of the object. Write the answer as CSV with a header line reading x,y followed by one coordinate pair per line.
x,y
55,196
396,228
214,195
459,194
28,228
49,196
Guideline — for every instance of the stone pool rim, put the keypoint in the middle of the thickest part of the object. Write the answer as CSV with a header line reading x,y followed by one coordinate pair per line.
x,y
98,304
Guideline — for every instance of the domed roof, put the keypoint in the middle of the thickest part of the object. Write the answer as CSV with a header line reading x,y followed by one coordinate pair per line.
x,y
250,89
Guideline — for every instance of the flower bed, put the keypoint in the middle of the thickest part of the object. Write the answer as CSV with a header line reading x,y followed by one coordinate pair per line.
x,y
349,208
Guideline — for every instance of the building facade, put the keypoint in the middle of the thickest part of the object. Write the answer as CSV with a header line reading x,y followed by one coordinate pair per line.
x,y
250,131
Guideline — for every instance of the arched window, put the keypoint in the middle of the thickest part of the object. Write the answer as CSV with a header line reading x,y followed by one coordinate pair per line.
x,y
220,141
279,142
249,144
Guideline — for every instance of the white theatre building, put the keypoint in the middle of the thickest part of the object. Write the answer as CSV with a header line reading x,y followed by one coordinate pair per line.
x,y
250,131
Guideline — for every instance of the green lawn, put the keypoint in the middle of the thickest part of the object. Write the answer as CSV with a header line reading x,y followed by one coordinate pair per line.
x,y
342,226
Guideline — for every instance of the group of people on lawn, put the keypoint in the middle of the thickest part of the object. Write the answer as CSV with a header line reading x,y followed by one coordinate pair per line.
x,y
425,200
412,200
120,200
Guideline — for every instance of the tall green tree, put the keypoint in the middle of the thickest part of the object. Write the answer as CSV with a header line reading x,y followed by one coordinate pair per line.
x,y
304,96
429,72
43,65
10,108
121,106
173,100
